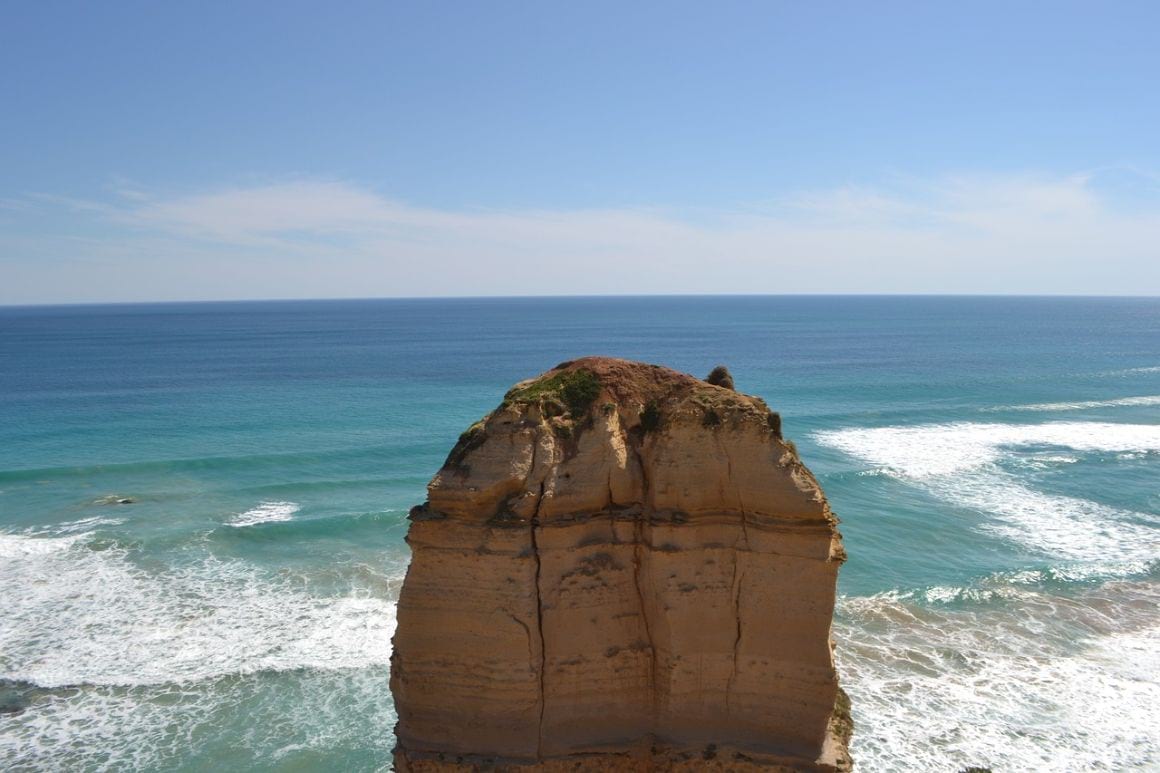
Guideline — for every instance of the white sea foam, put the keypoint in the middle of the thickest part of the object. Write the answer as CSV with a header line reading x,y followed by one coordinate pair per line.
x,y
266,512
940,449
20,546
289,724
1008,673
1045,461
1134,371
1082,405
1016,585
78,615
1079,572
84,525
961,463
1032,682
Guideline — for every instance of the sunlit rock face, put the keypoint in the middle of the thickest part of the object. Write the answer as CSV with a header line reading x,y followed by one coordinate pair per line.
x,y
621,567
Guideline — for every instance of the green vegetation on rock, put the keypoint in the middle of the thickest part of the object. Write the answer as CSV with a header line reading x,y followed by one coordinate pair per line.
x,y
720,376
574,390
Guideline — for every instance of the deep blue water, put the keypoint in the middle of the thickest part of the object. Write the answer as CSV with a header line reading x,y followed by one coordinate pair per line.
x,y
995,462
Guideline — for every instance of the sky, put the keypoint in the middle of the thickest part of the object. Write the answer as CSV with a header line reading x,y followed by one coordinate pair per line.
x,y
241,150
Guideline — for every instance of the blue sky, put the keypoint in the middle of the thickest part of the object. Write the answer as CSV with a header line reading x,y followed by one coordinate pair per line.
x,y
157,151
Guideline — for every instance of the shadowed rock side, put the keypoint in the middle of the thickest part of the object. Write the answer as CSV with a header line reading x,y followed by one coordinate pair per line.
x,y
621,567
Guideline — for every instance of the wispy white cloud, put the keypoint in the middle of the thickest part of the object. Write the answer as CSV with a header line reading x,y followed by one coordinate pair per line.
x,y
999,233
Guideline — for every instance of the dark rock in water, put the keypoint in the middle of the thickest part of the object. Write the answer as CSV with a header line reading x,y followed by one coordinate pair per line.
x,y
15,696
720,376
18,696
114,499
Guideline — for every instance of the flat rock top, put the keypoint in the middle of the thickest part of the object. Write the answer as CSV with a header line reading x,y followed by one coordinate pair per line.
x,y
639,392
629,382
644,397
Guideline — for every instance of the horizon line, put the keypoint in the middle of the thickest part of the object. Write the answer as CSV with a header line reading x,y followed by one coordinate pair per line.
x,y
562,296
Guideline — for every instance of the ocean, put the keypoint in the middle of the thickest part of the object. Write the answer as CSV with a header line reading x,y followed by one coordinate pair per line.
x,y
995,463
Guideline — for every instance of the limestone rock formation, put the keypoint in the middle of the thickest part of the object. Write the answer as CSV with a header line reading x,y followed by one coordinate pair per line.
x,y
621,567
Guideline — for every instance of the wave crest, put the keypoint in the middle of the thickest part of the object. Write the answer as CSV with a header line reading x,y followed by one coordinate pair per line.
x,y
266,512
1082,405
960,463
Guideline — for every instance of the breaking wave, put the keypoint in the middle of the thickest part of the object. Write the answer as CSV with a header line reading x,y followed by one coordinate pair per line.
x,y
1082,405
961,463
1134,371
1015,680
266,512
1048,668
930,450
85,525
105,620
291,723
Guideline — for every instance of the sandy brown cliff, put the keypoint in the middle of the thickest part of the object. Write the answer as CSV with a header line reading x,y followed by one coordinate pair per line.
x,y
621,567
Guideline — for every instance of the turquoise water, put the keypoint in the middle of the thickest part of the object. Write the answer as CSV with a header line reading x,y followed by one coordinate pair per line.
x,y
995,462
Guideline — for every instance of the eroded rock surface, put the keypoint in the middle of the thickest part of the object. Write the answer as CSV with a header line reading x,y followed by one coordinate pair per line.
x,y
622,567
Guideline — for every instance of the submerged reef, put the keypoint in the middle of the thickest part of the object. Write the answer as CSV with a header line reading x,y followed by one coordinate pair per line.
x,y
621,567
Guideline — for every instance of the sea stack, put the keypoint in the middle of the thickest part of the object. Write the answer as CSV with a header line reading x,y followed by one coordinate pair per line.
x,y
621,568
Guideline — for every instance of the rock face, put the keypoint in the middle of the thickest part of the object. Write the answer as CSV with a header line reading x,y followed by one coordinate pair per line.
x,y
621,567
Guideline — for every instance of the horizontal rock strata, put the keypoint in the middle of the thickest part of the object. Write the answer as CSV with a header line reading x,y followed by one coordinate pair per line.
x,y
620,568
